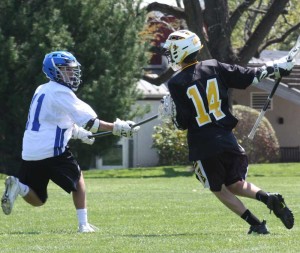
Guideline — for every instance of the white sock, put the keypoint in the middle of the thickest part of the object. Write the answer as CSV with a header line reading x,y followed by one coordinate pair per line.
x,y
82,216
24,189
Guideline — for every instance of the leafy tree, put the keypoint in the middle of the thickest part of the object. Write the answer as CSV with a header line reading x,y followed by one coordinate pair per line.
x,y
234,31
103,35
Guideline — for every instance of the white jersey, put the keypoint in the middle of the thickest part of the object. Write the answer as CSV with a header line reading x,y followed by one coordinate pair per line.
x,y
53,111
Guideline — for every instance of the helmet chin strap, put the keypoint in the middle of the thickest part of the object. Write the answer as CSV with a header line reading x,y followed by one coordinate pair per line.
x,y
183,66
186,65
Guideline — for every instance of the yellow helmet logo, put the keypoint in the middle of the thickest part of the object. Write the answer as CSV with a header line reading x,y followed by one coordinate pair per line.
x,y
196,40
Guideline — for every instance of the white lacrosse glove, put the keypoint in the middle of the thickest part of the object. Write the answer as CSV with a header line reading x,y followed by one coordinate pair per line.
x,y
82,134
275,69
123,128
280,67
131,123
167,109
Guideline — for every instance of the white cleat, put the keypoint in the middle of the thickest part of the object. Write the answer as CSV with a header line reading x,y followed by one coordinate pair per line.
x,y
10,194
88,228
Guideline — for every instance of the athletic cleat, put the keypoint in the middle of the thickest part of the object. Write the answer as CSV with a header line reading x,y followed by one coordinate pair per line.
x,y
277,205
10,194
259,229
88,228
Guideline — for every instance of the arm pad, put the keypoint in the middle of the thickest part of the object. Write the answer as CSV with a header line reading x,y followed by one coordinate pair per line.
x,y
92,125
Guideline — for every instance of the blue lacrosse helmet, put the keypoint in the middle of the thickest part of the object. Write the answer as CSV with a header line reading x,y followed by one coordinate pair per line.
x,y
62,67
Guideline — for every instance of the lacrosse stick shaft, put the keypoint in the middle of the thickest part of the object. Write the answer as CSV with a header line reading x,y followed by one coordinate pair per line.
x,y
258,120
102,134
145,121
263,111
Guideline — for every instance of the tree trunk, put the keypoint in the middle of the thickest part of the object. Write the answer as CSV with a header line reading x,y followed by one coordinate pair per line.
x,y
194,20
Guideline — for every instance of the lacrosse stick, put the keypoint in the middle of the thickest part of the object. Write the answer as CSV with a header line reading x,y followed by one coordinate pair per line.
x,y
102,134
291,55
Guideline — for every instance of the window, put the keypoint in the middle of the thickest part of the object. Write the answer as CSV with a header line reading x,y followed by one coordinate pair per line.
x,y
116,157
258,100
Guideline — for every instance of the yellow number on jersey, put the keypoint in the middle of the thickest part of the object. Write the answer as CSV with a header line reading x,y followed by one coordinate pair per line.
x,y
213,99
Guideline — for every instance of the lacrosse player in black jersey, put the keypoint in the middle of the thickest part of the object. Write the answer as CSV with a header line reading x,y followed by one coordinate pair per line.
x,y
198,102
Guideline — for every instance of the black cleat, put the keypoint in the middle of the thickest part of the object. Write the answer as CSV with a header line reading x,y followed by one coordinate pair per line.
x,y
259,229
277,205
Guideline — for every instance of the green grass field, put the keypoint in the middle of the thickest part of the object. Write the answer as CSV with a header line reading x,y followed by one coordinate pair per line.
x,y
153,210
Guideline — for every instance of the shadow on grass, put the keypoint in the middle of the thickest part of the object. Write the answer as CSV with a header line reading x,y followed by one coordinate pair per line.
x,y
159,235
171,172
58,231
256,175
142,173
21,233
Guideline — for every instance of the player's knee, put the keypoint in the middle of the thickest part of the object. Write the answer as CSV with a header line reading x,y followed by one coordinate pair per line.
x,y
36,202
235,186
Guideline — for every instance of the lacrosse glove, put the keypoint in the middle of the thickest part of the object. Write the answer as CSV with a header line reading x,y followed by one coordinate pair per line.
x,y
82,134
123,128
279,68
274,69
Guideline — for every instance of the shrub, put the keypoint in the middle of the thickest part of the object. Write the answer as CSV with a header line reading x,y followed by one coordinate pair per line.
x,y
171,144
264,147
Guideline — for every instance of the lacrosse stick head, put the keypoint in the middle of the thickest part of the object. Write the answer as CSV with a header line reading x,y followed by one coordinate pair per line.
x,y
167,109
62,67
179,45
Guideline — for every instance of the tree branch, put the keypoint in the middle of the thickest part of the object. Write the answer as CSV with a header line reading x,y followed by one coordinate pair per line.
x,y
178,2
280,39
167,9
261,31
239,11
162,78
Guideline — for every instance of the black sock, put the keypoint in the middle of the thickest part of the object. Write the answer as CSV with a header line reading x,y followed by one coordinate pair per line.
x,y
250,218
262,196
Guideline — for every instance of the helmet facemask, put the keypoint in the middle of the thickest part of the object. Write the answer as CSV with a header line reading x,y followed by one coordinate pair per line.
x,y
69,75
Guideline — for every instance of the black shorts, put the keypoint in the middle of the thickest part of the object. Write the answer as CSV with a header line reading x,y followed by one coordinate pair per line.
x,y
63,170
225,168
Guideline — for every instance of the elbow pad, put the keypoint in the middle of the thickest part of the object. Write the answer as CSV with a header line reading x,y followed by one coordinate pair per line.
x,y
261,73
92,125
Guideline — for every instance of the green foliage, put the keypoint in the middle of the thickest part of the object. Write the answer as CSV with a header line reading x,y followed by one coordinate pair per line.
x,y
104,37
264,147
171,144
253,16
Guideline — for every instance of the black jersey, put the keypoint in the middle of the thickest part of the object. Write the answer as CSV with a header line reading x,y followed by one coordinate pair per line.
x,y
200,93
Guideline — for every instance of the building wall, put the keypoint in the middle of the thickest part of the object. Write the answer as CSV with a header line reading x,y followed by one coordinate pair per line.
x,y
143,153
288,133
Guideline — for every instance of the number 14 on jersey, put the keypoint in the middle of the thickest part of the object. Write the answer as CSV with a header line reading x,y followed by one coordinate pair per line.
x,y
213,100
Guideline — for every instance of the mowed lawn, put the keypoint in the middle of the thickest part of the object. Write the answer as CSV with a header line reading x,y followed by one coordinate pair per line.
x,y
161,209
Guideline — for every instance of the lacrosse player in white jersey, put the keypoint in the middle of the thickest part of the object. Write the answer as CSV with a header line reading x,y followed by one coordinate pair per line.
x,y
55,116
